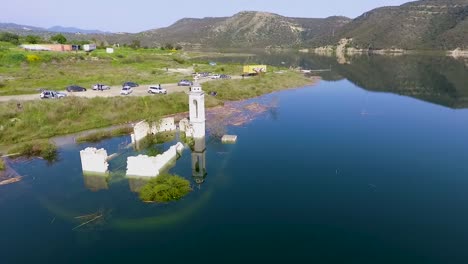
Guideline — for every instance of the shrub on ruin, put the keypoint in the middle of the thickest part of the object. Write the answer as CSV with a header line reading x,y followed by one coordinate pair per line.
x,y
165,188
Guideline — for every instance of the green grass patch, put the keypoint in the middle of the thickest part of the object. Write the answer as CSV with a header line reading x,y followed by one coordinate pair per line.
x,y
42,119
101,135
164,137
165,188
26,71
230,69
240,89
2,165
38,148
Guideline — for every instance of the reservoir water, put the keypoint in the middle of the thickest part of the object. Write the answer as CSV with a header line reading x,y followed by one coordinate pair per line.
x,y
368,166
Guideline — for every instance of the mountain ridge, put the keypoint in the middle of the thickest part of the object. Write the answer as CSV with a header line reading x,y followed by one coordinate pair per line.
x,y
417,25
24,29
246,28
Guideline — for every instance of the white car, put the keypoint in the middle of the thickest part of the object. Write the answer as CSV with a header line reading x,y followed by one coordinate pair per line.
x,y
157,90
100,86
46,94
126,90
215,76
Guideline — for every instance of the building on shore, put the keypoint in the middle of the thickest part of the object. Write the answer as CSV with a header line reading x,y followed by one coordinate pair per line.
x,y
48,47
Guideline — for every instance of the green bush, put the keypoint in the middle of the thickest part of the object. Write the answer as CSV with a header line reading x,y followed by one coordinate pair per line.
x,y
39,148
163,137
59,38
9,37
179,60
14,58
165,188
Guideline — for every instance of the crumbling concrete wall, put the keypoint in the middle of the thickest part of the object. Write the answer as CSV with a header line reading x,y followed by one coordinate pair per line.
x,y
143,128
94,160
142,165
140,131
167,124
183,124
164,125
146,166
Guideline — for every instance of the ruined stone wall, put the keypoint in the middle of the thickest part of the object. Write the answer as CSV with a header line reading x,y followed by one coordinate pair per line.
x,y
94,160
140,131
146,166
164,125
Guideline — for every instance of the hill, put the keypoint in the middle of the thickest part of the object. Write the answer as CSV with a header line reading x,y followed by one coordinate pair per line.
x,y
245,29
61,29
425,24
15,28
27,30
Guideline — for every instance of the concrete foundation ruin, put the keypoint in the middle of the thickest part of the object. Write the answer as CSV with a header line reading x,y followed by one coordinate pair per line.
x,y
146,166
229,139
141,168
94,160
142,129
164,125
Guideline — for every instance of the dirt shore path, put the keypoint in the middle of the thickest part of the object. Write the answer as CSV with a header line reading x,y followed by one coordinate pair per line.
x,y
141,90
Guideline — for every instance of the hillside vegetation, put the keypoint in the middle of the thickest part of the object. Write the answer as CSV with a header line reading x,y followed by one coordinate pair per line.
x,y
426,24
246,29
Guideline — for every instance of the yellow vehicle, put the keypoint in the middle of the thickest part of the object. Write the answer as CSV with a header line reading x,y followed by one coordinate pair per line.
x,y
254,69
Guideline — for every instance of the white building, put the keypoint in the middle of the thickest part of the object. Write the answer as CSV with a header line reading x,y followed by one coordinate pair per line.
x,y
89,47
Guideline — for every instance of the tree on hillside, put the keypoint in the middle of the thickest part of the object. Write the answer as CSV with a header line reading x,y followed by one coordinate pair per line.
x,y
168,46
32,39
59,38
9,37
135,44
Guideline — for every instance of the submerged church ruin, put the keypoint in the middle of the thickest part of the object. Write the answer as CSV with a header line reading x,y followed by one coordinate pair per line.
x,y
143,166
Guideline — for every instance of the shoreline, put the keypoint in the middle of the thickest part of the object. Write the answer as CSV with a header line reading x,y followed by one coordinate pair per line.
x,y
213,114
67,138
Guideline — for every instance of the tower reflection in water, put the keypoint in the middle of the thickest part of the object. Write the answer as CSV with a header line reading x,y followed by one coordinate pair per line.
x,y
199,160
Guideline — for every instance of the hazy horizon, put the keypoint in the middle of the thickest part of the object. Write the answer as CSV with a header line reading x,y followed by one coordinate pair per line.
x,y
114,16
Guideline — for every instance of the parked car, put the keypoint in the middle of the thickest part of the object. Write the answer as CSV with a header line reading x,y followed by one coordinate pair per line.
x,y
131,84
100,86
75,88
126,90
157,90
224,76
184,83
46,94
201,74
215,76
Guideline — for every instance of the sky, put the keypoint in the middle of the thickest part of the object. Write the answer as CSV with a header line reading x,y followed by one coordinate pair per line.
x,y
139,15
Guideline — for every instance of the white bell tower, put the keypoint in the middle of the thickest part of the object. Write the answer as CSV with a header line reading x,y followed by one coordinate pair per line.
x,y
197,121
197,110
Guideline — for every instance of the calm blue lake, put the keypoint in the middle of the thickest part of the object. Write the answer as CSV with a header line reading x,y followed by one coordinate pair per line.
x,y
368,166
